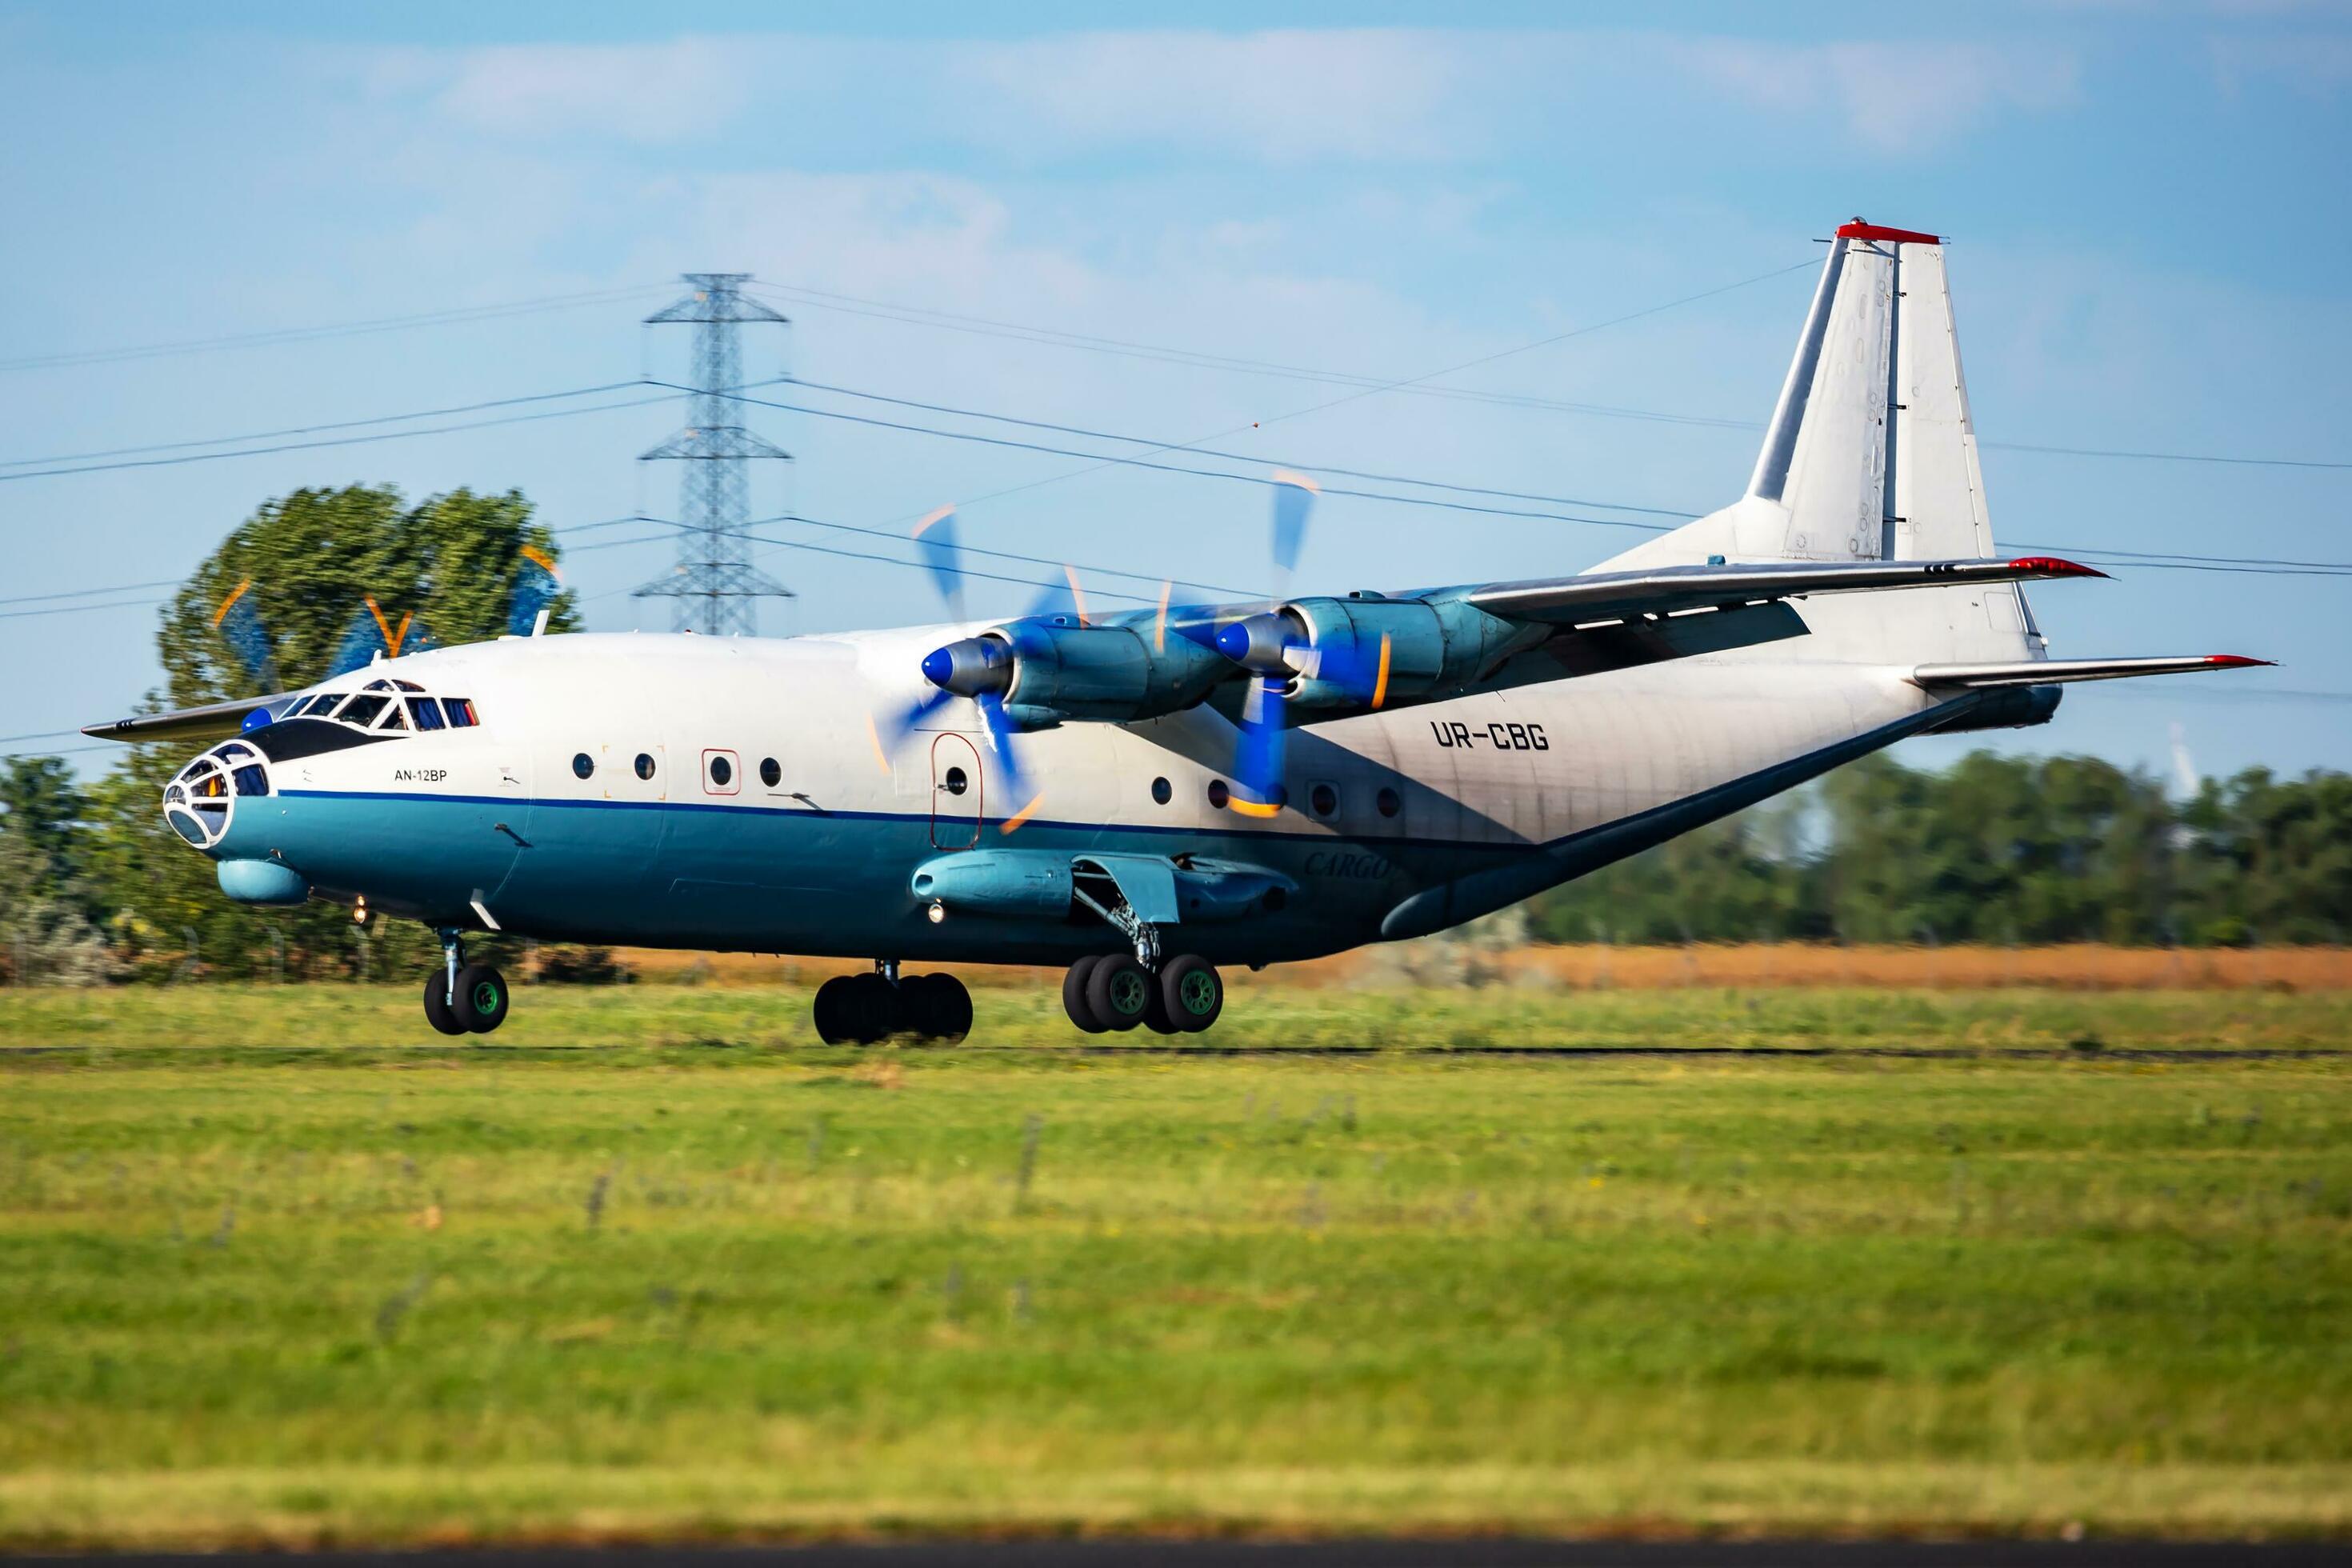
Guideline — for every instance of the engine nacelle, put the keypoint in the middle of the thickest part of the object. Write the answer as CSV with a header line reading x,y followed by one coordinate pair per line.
x,y
1433,648
1048,673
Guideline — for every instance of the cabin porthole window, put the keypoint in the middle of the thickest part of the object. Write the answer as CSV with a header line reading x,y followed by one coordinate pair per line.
x,y
1389,802
722,773
956,782
1162,792
644,764
770,774
1218,794
582,764
1324,800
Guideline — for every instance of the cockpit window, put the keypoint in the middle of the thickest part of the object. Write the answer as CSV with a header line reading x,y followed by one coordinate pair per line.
x,y
426,713
393,719
361,709
461,713
319,706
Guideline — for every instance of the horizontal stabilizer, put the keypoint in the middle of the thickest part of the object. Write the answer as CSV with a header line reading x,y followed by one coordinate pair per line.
x,y
1667,590
212,721
2050,671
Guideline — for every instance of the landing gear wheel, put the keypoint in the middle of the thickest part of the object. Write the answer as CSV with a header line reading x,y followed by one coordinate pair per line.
x,y
1193,991
1074,995
1119,992
872,1010
481,1003
938,1007
436,1004
1156,1017
828,1012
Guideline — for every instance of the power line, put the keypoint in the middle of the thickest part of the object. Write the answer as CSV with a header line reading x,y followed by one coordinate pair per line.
x,y
347,441
316,429
1242,456
87,593
459,314
76,609
1114,460
983,326
2167,457
851,304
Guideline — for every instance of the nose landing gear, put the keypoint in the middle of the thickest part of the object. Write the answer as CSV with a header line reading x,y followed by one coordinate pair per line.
x,y
1114,991
861,1009
461,997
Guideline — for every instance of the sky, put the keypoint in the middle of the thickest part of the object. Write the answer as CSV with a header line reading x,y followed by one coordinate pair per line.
x,y
1610,213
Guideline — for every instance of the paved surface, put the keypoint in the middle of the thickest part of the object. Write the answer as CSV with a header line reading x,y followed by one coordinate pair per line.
x,y
1324,1555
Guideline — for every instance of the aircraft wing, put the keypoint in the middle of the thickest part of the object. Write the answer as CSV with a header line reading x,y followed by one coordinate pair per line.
x,y
212,721
1670,590
2050,671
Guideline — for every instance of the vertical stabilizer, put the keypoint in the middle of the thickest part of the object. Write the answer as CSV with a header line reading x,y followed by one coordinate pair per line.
x,y
1823,466
1938,511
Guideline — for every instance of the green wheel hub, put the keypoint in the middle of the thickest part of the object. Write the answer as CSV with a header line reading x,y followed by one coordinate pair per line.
x,y
486,997
1130,992
1197,993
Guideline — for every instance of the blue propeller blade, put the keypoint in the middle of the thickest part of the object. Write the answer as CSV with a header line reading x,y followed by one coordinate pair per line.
x,y
935,542
239,624
1294,497
536,586
1000,732
362,641
1257,759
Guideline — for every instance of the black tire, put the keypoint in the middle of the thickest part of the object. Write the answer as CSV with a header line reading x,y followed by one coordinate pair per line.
x,y
1193,991
827,1012
1119,992
482,998
1156,1017
1074,995
874,1011
941,1007
436,1004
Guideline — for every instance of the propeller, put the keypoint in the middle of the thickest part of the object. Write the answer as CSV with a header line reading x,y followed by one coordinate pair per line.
x,y
978,670
1274,648
372,633
1270,645
536,588
239,624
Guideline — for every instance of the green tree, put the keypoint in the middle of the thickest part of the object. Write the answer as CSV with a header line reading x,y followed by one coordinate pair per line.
x,y
314,558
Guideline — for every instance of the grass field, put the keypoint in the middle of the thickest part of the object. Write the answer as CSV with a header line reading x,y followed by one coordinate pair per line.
x,y
278,1265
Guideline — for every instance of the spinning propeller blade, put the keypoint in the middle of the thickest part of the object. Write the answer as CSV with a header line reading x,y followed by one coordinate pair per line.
x,y
1257,759
239,624
935,540
1294,499
536,587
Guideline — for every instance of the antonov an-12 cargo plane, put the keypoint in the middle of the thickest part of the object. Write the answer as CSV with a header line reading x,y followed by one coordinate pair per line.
x,y
1145,796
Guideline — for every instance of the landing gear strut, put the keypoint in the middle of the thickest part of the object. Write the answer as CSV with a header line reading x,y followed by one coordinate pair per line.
x,y
1115,990
462,998
860,1009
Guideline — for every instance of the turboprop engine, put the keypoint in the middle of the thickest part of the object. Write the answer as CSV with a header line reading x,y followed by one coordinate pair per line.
x,y
1363,651
1046,673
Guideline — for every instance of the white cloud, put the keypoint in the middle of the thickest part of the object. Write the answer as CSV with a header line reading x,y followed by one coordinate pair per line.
x,y
1284,96
1895,96
643,92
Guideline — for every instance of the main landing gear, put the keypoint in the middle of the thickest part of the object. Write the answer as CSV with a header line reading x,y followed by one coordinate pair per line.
x,y
860,1009
1114,991
461,997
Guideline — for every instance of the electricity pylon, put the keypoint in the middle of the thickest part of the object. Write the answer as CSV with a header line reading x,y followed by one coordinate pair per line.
x,y
714,584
